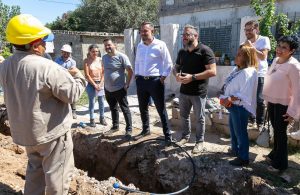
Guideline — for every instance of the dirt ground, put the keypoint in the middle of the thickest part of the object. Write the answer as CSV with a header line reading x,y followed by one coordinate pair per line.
x,y
13,158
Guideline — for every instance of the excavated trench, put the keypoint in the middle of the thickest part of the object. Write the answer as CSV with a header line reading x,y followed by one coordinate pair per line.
x,y
152,167
149,166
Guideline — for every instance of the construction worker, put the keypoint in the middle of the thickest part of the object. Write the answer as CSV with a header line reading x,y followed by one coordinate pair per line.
x,y
67,62
37,96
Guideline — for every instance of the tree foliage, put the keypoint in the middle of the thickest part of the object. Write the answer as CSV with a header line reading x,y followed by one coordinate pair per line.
x,y
6,13
108,15
266,10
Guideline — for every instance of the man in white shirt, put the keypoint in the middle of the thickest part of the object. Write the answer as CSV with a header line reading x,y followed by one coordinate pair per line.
x,y
262,46
152,65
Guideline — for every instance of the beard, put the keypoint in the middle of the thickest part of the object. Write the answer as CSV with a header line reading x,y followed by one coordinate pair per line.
x,y
189,43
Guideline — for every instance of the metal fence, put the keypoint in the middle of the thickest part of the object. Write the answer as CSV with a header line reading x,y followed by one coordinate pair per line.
x,y
223,36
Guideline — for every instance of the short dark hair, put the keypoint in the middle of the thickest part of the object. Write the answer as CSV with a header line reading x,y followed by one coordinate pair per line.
x,y
194,29
190,26
252,23
291,40
147,23
109,39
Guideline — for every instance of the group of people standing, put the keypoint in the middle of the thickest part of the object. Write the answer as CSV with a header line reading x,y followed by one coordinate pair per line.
x,y
38,92
252,83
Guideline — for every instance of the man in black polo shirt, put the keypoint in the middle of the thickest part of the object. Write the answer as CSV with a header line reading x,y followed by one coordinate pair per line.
x,y
194,65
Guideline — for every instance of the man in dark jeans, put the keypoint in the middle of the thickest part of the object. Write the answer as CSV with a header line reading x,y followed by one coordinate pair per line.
x,y
262,46
115,63
152,66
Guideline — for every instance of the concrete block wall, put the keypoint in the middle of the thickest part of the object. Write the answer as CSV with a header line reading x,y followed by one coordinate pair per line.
x,y
80,41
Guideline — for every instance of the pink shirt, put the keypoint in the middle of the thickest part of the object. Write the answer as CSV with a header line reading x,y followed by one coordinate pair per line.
x,y
282,85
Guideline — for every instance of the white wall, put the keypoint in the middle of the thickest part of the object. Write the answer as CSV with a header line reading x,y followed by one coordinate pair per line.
x,y
289,6
226,13
210,15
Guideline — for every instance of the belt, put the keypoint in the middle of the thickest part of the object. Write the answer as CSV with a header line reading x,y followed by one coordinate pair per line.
x,y
147,77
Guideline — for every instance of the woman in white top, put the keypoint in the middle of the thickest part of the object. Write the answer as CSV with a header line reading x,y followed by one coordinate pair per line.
x,y
94,73
282,92
239,97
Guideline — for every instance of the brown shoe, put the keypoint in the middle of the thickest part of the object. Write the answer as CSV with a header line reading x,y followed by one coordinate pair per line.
x,y
103,122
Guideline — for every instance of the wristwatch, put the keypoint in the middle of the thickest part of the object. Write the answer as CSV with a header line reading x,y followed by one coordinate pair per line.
x,y
194,77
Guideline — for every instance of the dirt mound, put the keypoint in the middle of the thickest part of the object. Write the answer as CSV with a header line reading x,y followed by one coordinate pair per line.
x,y
13,162
155,168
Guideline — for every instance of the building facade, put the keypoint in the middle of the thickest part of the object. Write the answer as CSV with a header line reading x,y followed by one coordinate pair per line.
x,y
219,21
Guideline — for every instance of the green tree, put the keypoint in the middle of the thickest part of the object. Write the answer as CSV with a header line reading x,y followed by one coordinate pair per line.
x,y
6,13
266,10
108,15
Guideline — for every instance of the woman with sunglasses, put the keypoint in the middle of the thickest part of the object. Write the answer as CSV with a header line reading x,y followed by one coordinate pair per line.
x,y
282,92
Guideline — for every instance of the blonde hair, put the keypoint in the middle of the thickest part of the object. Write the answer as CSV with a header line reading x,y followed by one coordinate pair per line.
x,y
249,56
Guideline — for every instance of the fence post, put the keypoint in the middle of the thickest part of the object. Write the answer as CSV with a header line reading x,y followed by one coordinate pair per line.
x,y
169,34
129,44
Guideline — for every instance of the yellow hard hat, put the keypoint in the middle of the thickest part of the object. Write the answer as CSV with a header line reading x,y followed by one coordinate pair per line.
x,y
24,28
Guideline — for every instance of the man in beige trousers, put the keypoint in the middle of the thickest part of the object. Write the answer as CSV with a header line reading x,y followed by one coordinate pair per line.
x,y
37,93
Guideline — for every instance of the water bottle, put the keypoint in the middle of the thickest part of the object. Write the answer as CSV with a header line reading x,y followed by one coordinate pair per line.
x,y
82,124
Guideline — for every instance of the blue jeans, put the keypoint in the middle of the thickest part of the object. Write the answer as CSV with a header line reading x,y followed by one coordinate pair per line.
x,y
91,91
185,104
238,120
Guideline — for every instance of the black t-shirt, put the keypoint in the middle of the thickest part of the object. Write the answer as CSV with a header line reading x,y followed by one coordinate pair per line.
x,y
192,63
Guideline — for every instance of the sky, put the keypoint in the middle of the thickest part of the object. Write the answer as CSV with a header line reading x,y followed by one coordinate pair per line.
x,y
45,10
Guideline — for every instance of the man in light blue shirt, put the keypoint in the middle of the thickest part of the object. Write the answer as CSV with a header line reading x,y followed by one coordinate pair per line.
x,y
152,65
66,61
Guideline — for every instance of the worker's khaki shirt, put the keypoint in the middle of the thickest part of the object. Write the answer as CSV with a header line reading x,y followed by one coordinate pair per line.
x,y
37,94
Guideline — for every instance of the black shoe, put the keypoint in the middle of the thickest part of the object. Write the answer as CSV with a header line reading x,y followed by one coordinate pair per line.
x,y
92,123
239,162
142,134
168,142
231,153
112,130
267,158
128,135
